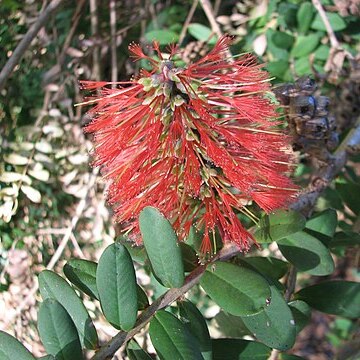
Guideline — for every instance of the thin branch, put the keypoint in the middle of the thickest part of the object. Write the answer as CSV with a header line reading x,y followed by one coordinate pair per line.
x,y
208,10
187,21
290,283
75,21
26,41
333,40
114,68
94,31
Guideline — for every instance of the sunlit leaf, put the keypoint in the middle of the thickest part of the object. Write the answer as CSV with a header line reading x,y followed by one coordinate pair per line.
x,y
162,247
239,291
279,225
116,284
274,325
58,332
307,253
53,286
172,339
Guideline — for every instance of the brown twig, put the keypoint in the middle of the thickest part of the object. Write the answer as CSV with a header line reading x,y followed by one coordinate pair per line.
x,y
333,40
96,72
187,21
208,10
75,21
26,41
114,68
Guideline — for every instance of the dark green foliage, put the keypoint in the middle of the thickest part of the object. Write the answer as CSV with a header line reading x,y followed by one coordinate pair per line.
x,y
307,253
196,323
58,332
52,286
231,349
82,273
279,225
274,326
172,339
116,283
333,297
162,247
239,291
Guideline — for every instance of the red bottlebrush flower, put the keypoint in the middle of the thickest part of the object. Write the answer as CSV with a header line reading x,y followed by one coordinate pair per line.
x,y
198,143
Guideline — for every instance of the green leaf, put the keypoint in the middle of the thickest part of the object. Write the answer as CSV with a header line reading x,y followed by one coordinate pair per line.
x,y
301,313
53,286
172,339
58,332
302,66
324,223
239,291
47,357
277,52
137,253
143,301
305,45
336,21
279,68
304,17
287,15
274,326
193,319
230,325
322,52
162,247
345,239
116,283
268,266
279,225
135,352
333,297
307,253
164,37
11,348
282,39
202,33
236,349
190,259
82,273
350,193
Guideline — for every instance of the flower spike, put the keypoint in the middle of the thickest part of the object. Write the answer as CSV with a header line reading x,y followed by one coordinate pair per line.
x,y
199,143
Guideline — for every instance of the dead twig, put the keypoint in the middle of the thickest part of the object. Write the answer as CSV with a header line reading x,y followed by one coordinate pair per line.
x,y
114,68
208,10
187,21
96,72
333,40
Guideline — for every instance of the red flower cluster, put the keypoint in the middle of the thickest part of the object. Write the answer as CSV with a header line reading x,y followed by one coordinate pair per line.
x,y
198,143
